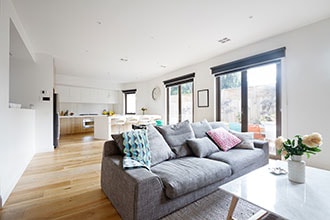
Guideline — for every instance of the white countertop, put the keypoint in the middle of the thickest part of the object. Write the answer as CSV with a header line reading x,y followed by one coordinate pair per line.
x,y
79,116
104,125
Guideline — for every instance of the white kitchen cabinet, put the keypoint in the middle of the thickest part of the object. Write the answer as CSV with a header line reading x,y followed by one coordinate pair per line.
x,y
86,95
64,93
68,94
75,94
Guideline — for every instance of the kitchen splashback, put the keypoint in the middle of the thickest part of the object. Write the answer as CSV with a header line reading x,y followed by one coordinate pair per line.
x,y
78,108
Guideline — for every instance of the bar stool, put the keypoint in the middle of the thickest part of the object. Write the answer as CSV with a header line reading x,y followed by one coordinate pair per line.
x,y
119,122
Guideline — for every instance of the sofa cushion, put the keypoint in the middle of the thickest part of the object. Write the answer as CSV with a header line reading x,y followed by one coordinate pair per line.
x,y
136,149
159,149
176,136
184,175
238,159
223,138
246,139
200,128
202,147
218,124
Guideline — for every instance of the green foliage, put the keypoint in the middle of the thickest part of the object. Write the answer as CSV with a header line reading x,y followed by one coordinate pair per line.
x,y
291,148
186,88
232,80
174,90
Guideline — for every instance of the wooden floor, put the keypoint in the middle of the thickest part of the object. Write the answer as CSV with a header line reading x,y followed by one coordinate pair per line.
x,y
64,184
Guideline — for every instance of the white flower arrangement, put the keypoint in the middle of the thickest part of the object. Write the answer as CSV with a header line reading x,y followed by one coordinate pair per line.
x,y
308,144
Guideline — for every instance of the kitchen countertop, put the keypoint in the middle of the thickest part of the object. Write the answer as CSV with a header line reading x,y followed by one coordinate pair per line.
x,y
79,116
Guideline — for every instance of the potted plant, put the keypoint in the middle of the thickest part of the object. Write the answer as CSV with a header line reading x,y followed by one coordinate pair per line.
x,y
293,149
143,109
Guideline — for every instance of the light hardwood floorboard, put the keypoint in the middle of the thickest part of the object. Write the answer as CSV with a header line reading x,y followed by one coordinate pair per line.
x,y
64,184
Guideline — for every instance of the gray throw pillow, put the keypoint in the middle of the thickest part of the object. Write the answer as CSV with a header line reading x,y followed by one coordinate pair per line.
x,y
246,139
202,147
176,136
160,151
218,124
118,138
200,128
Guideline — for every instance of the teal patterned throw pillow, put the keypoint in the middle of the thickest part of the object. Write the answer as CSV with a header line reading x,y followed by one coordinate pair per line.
x,y
136,149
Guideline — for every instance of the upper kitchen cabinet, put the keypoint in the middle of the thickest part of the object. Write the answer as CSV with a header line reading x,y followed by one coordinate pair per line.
x,y
86,95
68,94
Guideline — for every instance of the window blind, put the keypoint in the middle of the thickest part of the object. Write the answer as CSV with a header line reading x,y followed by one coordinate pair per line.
x,y
179,80
252,61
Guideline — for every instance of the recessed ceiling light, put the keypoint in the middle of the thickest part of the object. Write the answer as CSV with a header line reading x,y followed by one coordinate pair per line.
x,y
123,59
251,16
163,66
98,22
224,40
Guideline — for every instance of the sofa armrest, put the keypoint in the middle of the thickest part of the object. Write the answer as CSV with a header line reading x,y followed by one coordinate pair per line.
x,y
130,191
264,145
110,148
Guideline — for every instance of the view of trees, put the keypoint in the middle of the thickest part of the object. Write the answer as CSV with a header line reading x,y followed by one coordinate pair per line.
x,y
185,89
230,81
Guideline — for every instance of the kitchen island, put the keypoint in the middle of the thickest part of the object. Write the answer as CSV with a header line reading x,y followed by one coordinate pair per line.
x,y
104,125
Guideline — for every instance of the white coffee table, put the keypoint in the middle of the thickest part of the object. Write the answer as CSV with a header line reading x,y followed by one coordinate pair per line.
x,y
276,194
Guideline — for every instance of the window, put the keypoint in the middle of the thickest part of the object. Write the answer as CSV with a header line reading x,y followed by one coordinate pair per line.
x,y
130,101
180,96
249,95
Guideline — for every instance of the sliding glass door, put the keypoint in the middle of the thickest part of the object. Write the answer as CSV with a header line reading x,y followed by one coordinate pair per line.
x,y
173,104
180,103
187,101
261,117
231,100
249,101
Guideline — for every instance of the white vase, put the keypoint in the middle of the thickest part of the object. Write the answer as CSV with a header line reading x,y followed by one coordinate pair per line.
x,y
296,169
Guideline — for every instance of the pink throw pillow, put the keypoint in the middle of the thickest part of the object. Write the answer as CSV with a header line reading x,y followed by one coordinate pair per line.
x,y
223,138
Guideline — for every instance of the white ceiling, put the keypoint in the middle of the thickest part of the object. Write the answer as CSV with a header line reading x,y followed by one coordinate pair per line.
x,y
88,38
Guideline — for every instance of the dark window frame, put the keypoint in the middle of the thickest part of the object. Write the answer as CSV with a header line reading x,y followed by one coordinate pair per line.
x,y
178,81
128,92
242,65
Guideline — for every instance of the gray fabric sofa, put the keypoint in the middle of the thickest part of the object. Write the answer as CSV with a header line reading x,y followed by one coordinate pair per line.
x,y
176,179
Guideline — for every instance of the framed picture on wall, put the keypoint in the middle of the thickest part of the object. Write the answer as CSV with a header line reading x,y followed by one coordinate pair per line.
x,y
203,98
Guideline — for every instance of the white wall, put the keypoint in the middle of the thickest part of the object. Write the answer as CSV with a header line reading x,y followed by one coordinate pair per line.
x,y
4,87
9,10
306,83
17,128
17,147
42,78
144,98
27,80
23,131
20,86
